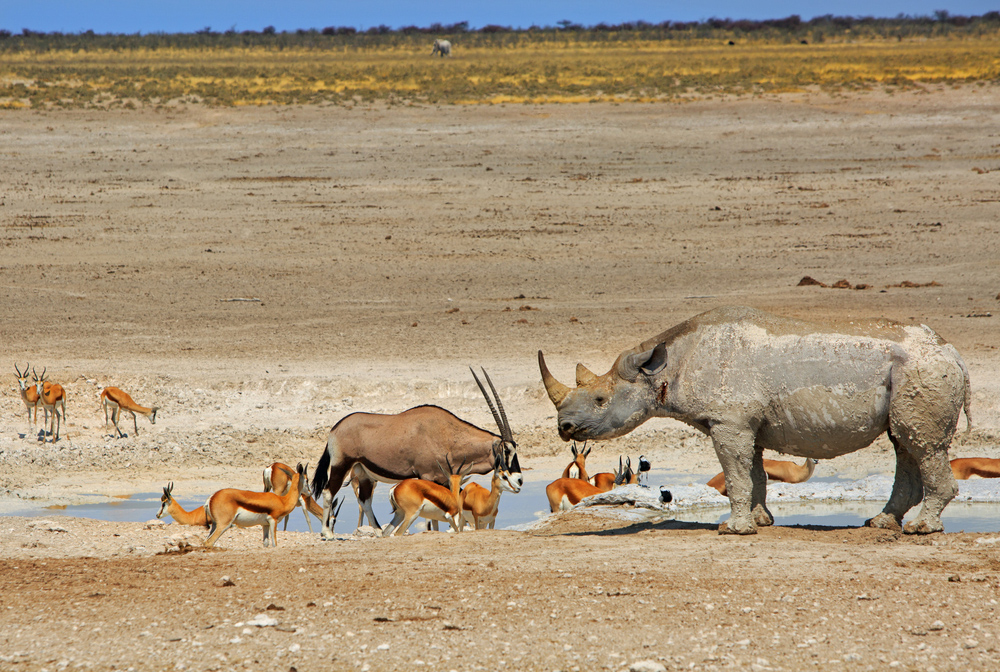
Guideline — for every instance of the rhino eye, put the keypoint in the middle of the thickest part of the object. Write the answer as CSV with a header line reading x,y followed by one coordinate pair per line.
x,y
600,400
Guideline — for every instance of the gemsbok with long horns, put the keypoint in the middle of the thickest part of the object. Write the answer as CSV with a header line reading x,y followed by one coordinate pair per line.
x,y
752,381
245,508
392,448
116,400
52,397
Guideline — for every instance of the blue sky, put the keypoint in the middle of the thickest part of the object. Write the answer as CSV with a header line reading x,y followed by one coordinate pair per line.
x,y
131,16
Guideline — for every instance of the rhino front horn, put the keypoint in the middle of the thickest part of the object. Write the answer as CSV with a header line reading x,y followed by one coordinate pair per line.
x,y
556,390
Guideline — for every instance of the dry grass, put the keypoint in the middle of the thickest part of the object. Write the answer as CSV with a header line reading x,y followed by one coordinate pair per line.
x,y
520,71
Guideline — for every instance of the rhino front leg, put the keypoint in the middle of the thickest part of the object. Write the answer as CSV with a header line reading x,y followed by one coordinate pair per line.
x,y
735,449
758,500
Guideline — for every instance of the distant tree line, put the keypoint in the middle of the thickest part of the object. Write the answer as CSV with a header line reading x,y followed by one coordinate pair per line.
x,y
828,27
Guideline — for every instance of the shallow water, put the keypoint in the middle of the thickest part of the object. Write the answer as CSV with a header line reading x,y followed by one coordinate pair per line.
x,y
530,504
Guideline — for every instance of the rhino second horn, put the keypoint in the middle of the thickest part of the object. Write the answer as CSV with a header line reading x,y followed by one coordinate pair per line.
x,y
584,376
556,390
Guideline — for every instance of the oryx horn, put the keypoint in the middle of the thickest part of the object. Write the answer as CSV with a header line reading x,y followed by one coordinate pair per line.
x,y
501,417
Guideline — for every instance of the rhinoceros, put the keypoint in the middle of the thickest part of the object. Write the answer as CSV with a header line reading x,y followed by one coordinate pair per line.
x,y
752,380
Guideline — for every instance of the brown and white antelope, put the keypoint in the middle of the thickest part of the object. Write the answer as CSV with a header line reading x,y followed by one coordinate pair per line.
x,y
966,467
415,498
245,508
170,506
481,506
578,467
52,397
277,480
777,470
392,448
117,400
29,395
606,480
565,493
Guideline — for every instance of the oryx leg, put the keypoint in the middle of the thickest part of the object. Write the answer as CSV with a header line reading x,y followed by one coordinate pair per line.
x,y
735,450
337,474
364,490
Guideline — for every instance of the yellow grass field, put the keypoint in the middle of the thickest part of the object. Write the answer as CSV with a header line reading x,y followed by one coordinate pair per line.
x,y
518,70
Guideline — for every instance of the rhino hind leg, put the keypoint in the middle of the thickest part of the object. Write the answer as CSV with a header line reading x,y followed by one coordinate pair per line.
x,y
927,399
907,491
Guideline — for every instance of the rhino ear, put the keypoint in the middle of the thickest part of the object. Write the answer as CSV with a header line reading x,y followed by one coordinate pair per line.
x,y
656,360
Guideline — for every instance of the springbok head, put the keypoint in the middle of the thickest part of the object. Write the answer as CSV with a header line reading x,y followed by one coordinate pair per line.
x,y
502,475
22,378
165,499
603,407
624,475
39,380
506,443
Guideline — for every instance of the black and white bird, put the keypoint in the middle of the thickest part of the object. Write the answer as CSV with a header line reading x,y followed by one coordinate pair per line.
x,y
644,467
665,495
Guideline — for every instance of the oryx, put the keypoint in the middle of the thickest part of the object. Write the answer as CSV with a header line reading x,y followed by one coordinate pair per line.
x,y
411,444
752,380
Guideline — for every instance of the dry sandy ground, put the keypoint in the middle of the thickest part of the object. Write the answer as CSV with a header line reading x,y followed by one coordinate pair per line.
x,y
386,250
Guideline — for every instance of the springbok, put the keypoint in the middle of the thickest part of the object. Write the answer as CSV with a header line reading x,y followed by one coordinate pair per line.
x,y
578,467
416,497
29,395
777,470
442,47
966,467
276,479
117,400
565,493
481,506
245,508
170,506
392,448
755,381
52,397
607,479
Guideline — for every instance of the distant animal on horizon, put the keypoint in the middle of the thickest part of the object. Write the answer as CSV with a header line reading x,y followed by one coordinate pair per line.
x,y
966,467
752,381
442,47
393,448
777,470
117,400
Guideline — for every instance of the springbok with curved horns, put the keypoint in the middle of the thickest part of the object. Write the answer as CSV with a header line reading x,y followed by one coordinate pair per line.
x,y
578,467
52,397
393,448
481,506
29,395
169,506
116,400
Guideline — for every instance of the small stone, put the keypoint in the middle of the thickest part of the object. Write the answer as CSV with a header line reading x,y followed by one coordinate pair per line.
x,y
647,666
262,621
382,647
936,625
970,644
294,648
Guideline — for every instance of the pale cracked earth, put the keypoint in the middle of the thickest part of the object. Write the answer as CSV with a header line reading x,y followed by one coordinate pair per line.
x,y
259,273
